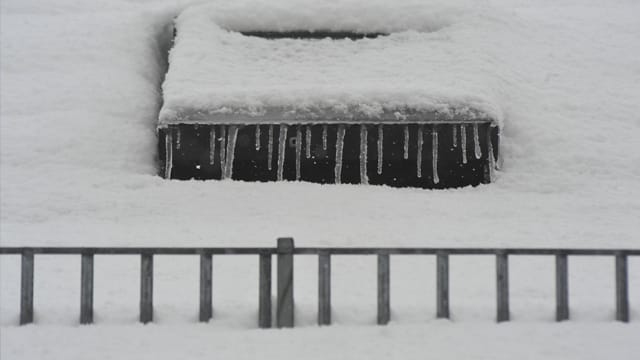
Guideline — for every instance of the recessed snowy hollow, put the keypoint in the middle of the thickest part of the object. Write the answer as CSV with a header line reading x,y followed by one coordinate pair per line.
x,y
326,95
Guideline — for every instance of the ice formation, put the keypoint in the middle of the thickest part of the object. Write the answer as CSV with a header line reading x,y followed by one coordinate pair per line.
x,y
434,154
324,136
223,148
212,145
232,135
463,143
406,142
339,150
168,143
270,148
298,151
380,148
454,131
308,142
257,137
364,179
492,159
282,146
419,151
476,142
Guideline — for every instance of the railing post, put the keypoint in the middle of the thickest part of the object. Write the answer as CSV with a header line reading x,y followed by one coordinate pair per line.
x,y
206,269
442,274
384,309
26,288
264,301
622,289
502,279
284,311
324,288
146,288
562,288
86,288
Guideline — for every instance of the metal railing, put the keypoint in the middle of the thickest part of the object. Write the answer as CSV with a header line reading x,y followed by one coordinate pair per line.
x,y
285,252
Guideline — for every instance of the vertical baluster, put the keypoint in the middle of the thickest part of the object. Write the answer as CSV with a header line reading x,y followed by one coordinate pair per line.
x,y
206,287
562,288
26,288
86,289
264,302
384,308
284,311
146,288
622,288
324,288
442,270
502,273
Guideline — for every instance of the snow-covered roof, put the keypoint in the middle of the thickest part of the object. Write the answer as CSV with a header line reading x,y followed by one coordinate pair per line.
x,y
430,66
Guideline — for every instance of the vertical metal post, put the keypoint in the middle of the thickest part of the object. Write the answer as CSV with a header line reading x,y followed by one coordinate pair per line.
x,y
86,289
384,309
264,295
26,288
562,287
146,288
324,288
622,288
502,277
206,270
284,311
442,274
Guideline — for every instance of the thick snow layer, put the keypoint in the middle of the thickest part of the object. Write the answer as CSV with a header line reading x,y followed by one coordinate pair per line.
x,y
439,340
439,56
79,100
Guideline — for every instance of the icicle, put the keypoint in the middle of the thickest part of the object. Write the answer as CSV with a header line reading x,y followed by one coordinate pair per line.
x,y
324,137
339,150
212,145
380,148
298,150
492,159
308,142
434,154
419,154
270,149
476,142
223,149
232,135
364,179
455,135
463,143
168,146
178,139
282,146
257,137
406,142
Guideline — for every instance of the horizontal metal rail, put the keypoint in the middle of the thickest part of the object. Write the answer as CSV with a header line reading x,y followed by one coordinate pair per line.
x,y
312,251
285,251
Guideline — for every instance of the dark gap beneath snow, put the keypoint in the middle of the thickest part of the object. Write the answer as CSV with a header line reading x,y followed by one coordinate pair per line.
x,y
304,35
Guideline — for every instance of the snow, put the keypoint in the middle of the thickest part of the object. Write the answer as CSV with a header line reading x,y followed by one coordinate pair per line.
x,y
437,57
79,102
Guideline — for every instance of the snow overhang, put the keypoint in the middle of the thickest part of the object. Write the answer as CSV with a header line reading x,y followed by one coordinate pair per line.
x,y
222,70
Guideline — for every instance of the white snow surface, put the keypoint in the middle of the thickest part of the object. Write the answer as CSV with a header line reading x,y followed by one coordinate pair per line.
x,y
439,56
79,102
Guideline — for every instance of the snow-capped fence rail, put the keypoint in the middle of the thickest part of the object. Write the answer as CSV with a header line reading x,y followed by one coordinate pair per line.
x,y
285,252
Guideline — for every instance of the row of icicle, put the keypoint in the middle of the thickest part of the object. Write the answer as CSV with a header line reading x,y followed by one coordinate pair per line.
x,y
229,133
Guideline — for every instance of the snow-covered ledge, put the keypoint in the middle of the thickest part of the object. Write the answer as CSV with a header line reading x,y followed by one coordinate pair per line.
x,y
425,66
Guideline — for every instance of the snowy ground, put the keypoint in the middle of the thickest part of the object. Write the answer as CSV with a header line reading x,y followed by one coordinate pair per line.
x,y
78,103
